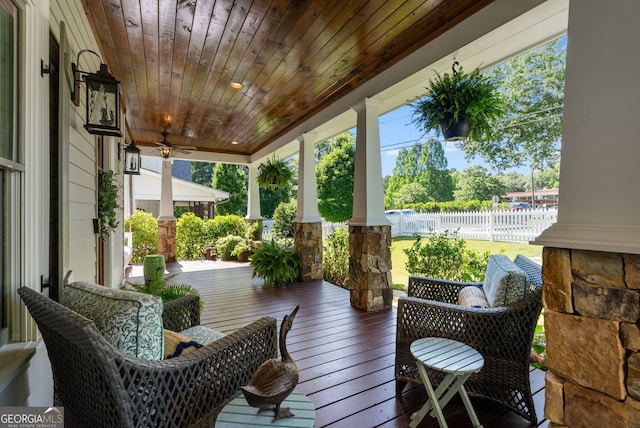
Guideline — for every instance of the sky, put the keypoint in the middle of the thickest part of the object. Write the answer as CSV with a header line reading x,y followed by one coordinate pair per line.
x,y
397,132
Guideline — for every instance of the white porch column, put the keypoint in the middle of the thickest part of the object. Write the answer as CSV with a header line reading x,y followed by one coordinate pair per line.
x,y
253,201
599,174
166,191
369,230
307,188
368,195
307,225
253,194
166,220
592,254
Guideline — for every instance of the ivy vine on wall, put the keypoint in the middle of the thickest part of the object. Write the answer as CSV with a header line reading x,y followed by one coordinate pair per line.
x,y
107,203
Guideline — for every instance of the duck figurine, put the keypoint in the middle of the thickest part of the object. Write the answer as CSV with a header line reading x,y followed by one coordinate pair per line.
x,y
275,379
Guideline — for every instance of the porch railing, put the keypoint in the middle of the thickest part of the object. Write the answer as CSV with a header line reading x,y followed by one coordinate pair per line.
x,y
506,226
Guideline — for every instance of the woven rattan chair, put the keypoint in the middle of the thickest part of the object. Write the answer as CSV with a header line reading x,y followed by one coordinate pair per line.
x,y
503,335
99,386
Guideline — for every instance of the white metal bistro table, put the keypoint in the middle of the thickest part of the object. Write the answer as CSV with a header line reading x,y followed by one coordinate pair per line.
x,y
458,361
238,414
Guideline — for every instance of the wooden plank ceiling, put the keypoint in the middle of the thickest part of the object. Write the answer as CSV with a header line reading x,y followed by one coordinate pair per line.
x,y
176,60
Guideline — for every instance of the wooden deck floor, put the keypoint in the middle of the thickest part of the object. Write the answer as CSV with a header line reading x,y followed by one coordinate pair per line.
x,y
345,356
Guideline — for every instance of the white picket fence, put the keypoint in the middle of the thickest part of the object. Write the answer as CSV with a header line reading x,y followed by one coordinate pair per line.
x,y
506,226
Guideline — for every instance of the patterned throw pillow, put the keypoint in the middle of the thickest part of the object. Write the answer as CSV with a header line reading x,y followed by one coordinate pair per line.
x,y
472,297
504,282
130,321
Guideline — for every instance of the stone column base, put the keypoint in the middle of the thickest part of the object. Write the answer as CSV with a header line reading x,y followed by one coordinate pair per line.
x,y
308,247
370,267
167,239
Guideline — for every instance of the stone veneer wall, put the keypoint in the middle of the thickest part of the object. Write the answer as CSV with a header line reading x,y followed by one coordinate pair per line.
x,y
308,247
370,267
167,239
591,317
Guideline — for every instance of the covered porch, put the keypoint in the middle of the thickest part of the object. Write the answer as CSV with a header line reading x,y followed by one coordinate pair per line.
x,y
345,355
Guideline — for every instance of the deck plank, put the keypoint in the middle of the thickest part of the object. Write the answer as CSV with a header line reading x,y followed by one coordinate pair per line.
x,y
345,356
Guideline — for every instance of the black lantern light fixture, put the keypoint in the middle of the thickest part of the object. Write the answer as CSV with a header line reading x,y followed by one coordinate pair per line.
x,y
103,98
165,151
132,159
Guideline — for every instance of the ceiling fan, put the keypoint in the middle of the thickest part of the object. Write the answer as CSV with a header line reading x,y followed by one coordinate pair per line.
x,y
166,148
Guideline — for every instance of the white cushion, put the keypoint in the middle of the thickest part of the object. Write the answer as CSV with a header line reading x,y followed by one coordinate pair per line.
x,y
504,282
130,321
473,297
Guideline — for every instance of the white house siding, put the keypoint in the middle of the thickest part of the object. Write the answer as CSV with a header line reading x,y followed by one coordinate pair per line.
x,y
82,160
30,249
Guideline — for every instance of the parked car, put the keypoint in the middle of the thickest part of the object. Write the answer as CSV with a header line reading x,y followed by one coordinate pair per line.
x,y
517,206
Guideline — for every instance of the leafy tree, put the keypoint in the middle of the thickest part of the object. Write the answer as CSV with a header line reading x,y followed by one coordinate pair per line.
x,y
476,183
232,179
202,172
426,165
271,197
334,176
533,87
411,193
547,178
283,217
514,182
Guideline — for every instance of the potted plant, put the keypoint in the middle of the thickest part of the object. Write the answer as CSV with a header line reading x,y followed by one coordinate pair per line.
x,y
107,203
275,172
459,105
275,265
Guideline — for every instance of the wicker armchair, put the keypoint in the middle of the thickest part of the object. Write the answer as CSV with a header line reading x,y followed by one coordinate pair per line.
x,y
503,335
99,386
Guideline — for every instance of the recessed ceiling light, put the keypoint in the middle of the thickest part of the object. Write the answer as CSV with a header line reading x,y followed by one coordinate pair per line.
x,y
235,143
236,85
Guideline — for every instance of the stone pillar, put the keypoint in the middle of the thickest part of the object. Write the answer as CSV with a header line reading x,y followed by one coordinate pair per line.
x,y
592,311
370,267
167,239
369,230
166,220
308,247
307,225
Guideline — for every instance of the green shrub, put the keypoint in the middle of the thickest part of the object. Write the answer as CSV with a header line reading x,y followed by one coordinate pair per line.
x,y
224,225
145,234
226,245
335,257
190,237
445,256
283,217
275,265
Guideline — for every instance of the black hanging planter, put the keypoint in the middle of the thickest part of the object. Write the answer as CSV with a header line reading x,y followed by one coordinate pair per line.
x,y
455,131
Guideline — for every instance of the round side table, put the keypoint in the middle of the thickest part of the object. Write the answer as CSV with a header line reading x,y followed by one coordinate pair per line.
x,y
458,361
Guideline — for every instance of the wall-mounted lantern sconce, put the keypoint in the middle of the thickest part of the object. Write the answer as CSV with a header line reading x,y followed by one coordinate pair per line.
x,y
132,159
165,151
103,98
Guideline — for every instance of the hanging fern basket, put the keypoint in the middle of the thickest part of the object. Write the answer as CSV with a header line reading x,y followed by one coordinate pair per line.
x,y
274,173
455,130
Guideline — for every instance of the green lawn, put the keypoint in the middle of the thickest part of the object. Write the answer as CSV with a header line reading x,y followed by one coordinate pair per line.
x,y
399,258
